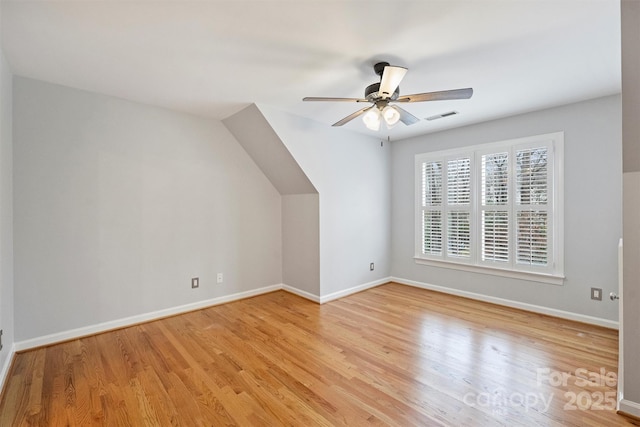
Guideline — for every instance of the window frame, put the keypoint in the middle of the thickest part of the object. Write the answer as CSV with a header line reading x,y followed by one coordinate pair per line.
x,y
553,272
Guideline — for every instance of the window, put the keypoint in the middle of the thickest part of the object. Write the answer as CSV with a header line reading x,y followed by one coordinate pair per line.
x,y
493,208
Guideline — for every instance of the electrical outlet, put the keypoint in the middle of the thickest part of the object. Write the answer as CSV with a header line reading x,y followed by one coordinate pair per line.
x,y
596,294
372,267
195,282
219,278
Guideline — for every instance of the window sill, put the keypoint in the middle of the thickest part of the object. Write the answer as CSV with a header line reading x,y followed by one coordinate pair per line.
x,y
551,279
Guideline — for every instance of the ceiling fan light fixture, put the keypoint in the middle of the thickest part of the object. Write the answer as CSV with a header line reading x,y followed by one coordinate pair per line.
x,y
391,116
371,119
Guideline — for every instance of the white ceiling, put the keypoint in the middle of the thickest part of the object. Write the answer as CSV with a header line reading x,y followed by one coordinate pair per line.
x,y
213,58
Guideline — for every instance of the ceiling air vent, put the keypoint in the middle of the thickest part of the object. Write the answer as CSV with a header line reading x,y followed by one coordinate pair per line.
x,y
443,115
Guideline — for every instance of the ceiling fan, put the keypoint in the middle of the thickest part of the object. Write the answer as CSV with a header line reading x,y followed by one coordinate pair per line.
x,y
382,94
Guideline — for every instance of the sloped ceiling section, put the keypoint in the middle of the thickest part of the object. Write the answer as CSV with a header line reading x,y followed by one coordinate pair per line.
x,y
261,142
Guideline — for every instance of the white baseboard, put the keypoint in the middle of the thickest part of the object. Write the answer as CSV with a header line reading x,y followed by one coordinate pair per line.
x,y
301,293
353,290
7,365
514,304
629,408
146,317
335,295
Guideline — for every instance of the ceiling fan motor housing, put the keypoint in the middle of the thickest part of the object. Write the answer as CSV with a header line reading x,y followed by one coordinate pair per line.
x,y
379,68
372,93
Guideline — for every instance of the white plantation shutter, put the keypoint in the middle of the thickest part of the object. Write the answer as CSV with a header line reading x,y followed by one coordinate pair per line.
x,y
432,224
446,208
531,176
495,206
459,181
495,236
494,176
531,240
432,183
432,232
459,207
458,234
532,192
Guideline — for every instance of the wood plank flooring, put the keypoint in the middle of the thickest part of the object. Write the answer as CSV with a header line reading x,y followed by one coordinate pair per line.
x,y
391,355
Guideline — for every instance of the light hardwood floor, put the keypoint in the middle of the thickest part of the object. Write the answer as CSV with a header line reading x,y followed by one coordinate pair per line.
x,y
391,355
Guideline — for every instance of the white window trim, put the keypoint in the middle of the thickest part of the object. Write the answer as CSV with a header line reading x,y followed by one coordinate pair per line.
x,y
553,279
554,274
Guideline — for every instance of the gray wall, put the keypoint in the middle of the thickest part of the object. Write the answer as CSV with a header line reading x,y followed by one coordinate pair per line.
x,y
117,205
6,212
630,11
351,173
257,137
300,206
592,168
301,242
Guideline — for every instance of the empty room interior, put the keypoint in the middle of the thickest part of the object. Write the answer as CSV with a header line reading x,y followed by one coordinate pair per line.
x,y
320,213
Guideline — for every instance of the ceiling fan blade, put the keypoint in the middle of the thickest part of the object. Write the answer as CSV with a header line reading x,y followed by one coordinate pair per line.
x,y
352,116
406,117
391,78
320,98
437,96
